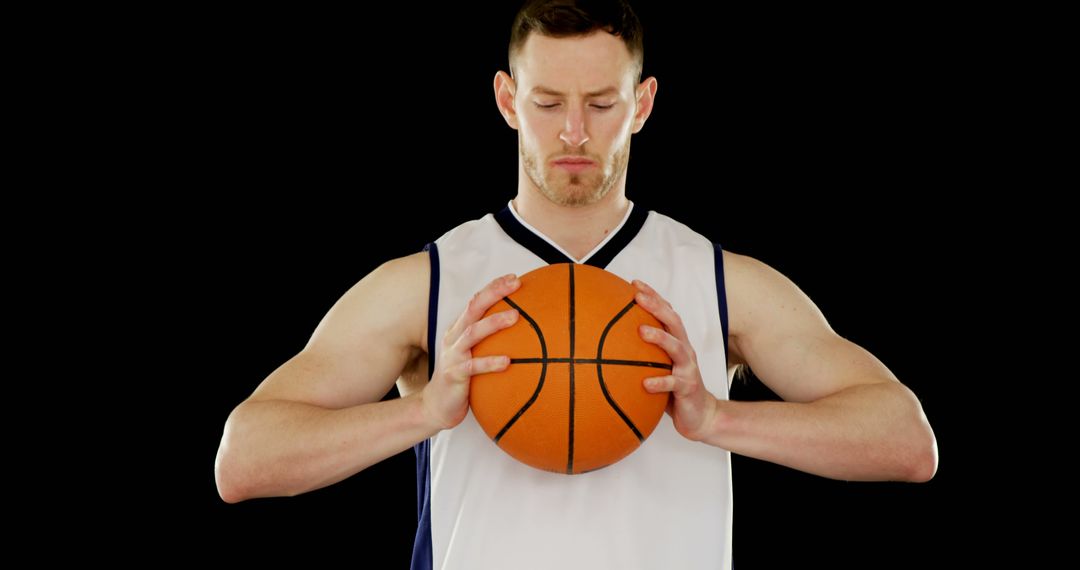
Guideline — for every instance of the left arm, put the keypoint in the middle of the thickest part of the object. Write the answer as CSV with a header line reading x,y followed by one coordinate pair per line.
x,y
845,415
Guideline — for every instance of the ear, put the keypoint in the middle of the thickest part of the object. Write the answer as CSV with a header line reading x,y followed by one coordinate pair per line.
x,y
646,95
505,88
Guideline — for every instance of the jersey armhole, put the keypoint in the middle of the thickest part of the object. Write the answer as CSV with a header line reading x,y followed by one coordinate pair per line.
x,y
422,554
433,305
721,294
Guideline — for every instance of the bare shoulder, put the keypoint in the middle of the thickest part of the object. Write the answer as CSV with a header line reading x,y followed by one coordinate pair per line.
x,y
392,300
364,343
777,330
761,298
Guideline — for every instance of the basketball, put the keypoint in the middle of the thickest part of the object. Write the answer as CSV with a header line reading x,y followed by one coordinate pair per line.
x,y
572,399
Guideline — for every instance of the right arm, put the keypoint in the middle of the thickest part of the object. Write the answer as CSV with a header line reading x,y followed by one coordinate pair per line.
x,y
317,419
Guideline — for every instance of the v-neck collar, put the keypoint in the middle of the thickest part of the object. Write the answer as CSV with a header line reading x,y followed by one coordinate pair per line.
x,y
534,241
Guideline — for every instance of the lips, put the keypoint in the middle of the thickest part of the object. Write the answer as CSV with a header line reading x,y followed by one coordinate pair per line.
x,y
573,164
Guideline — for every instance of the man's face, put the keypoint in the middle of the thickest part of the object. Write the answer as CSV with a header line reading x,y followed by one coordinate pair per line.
x,y
575,101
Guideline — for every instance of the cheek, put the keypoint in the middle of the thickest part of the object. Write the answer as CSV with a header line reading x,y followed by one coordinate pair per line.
x,y
538,125
615,128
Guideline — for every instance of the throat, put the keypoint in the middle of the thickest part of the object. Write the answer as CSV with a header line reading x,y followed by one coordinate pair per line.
x,y
580,248
578,232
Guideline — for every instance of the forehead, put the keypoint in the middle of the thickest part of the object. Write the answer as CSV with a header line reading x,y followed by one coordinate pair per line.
x,y
577,62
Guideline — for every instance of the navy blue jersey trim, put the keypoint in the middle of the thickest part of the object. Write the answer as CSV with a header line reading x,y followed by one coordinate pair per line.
x,y
620,240
433,306
421,553
422,558
721,294
530,241
544,250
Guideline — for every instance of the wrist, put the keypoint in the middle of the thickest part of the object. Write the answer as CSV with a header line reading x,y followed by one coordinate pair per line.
x,y
424,418
720,423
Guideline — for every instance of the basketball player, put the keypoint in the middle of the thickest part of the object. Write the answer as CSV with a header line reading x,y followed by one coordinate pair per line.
x,y
575,97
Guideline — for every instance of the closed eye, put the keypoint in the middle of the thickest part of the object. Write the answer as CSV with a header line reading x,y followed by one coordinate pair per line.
x,y
547,106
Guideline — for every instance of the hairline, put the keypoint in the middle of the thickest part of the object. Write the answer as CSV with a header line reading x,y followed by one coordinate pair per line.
x,y
637,59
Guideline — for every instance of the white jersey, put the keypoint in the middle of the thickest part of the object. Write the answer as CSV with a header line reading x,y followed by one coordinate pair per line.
x,y
665,506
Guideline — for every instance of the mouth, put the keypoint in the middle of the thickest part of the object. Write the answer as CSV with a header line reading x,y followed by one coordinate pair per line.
x,y
573,164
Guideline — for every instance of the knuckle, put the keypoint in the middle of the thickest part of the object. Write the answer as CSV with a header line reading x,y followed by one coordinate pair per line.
x,y
447,342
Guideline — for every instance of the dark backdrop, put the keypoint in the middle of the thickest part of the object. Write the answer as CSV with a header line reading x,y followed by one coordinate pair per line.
x,y
322,144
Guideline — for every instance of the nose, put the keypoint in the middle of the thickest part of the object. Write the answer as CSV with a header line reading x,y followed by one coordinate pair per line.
x,y
573,133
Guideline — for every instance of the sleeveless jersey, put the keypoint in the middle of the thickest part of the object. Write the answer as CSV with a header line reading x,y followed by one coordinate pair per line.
x,y
666,505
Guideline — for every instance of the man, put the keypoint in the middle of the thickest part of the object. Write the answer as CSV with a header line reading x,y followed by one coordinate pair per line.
x,y
575,97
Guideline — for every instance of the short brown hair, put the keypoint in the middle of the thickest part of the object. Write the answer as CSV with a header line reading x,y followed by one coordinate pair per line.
x,y
567,18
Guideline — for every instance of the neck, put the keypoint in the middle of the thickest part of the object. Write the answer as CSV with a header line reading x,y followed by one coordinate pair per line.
x,y
577,229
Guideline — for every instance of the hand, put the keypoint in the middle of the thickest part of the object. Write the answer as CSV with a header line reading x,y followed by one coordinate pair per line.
x,y
445,399
692,407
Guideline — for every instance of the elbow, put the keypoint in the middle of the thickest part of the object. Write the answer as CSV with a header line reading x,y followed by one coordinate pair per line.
x,y
241,471
231,474
229,490
920,448
230,494
230,485
924,465
922,456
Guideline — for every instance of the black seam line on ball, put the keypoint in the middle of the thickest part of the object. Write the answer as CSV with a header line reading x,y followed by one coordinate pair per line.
x,y
600,371
543,369
608,361
570,447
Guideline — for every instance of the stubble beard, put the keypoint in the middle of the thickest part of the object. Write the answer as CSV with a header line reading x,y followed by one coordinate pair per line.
x,y
574,189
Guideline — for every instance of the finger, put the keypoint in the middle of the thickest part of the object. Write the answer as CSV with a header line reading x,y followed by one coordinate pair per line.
x,y
488,364
677,349
675,384
484,328
482,365
648,290
662,310
482,301
643,286
659,384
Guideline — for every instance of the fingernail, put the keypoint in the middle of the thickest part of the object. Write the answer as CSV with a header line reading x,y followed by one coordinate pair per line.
x,y
641,299
505,361
646,330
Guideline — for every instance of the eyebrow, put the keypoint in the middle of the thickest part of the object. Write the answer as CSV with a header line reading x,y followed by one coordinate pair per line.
x,y
549,91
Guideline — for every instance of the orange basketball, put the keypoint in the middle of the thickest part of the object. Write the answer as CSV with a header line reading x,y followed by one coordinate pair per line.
x,y
572,398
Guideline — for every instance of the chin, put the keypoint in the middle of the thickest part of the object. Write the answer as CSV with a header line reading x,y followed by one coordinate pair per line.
x,y
575,193
575,197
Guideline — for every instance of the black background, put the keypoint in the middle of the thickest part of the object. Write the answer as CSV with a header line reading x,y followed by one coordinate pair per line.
x,y
312,146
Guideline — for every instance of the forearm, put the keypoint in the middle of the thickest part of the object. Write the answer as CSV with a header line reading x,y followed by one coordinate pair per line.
x,y
867,432
276,448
